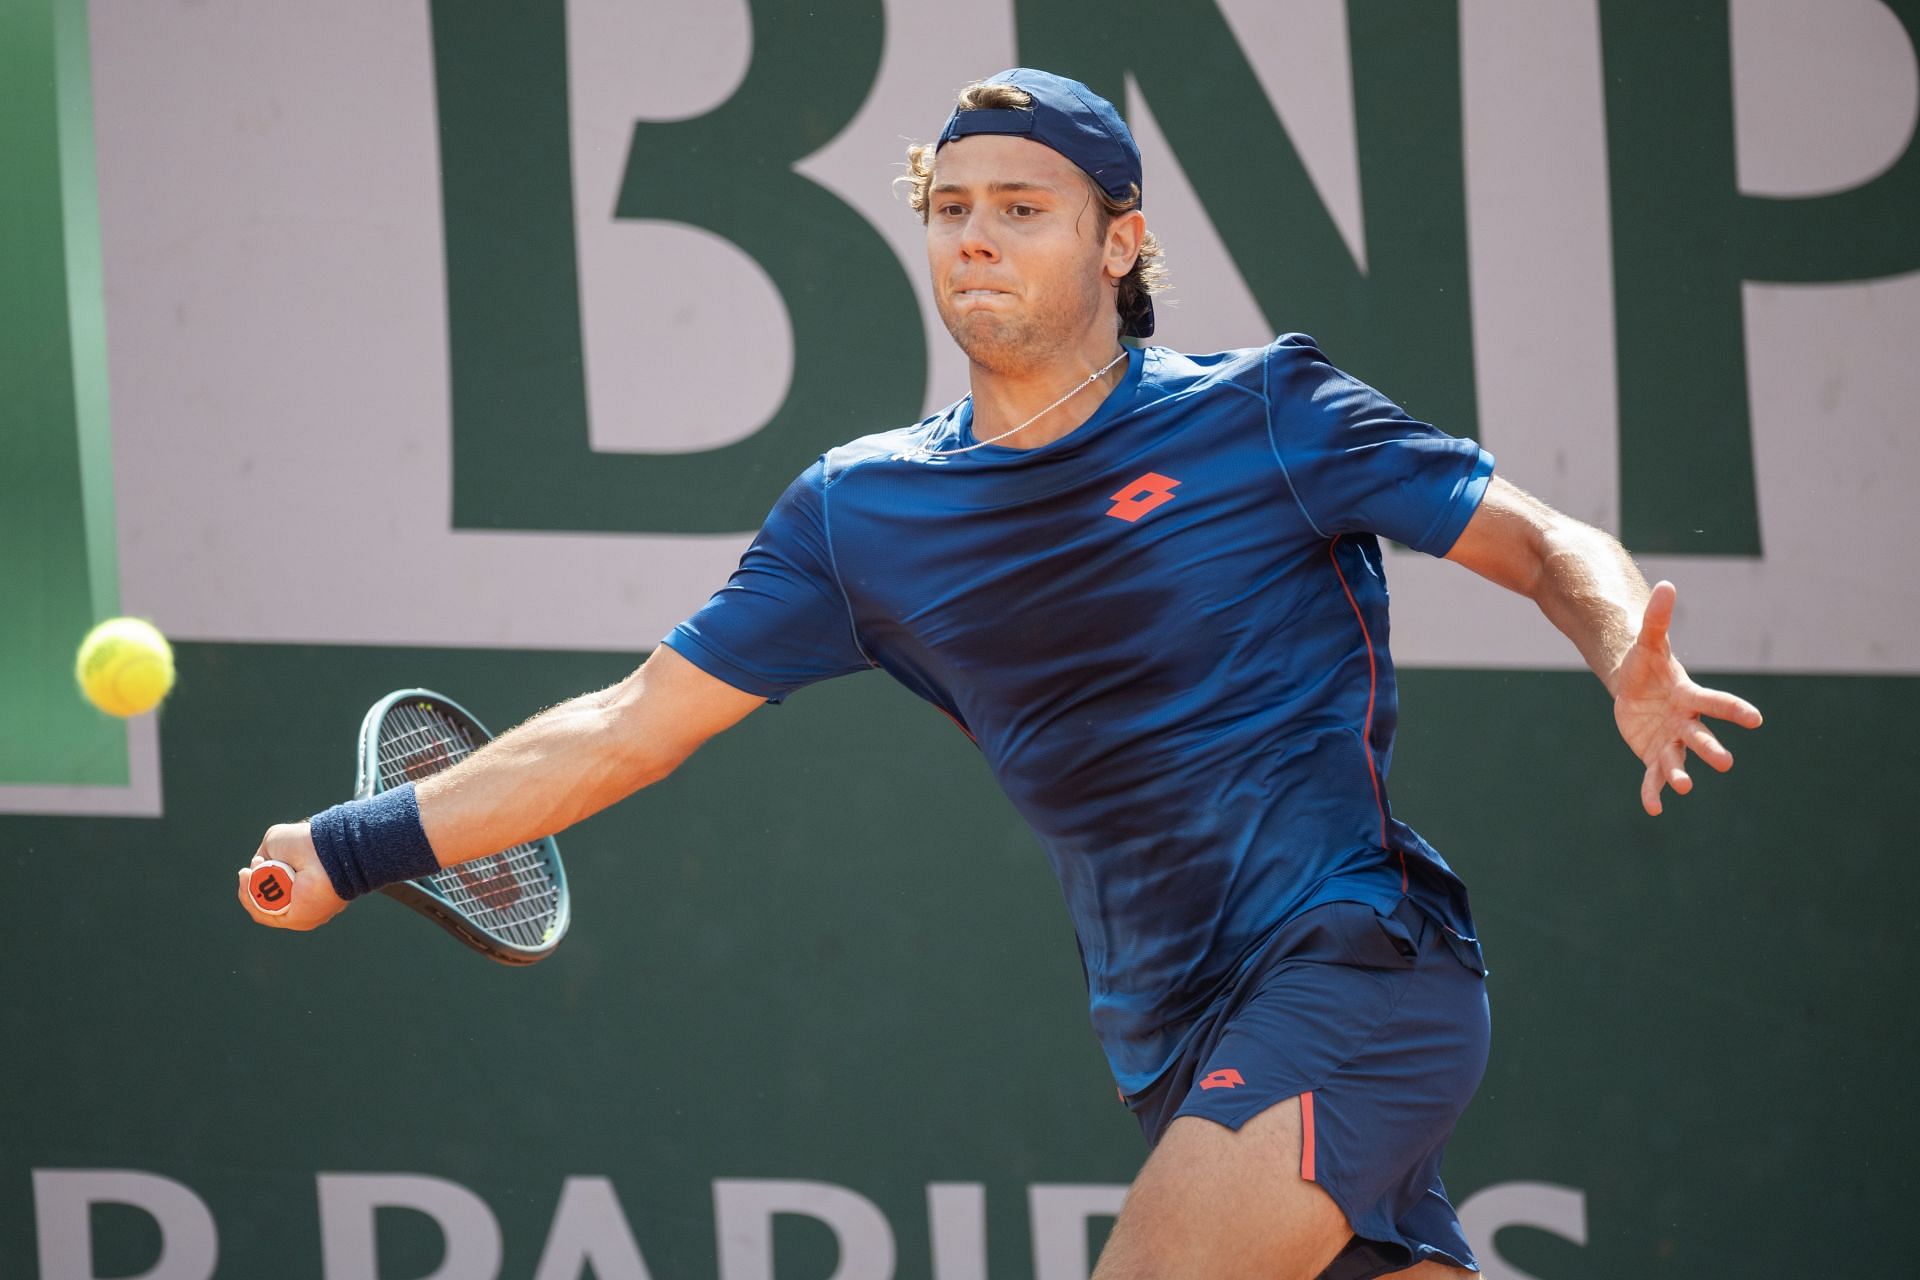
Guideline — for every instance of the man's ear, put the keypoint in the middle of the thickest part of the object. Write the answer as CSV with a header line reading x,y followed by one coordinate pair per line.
x,y
1124,235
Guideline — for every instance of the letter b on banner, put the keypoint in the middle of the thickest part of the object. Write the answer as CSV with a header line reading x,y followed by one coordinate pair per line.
x,y
522,458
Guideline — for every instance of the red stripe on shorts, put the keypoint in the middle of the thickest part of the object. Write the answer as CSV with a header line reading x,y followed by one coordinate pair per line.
x,y
1306,1136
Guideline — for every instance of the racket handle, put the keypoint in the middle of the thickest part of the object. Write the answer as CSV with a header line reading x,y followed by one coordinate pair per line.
x,y
270,885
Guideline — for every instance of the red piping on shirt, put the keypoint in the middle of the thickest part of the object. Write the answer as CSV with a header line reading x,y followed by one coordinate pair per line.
x,y
956,724
1306,1136
1373,683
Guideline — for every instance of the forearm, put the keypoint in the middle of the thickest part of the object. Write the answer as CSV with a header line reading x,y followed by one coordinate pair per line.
x,y
565,764
1589,587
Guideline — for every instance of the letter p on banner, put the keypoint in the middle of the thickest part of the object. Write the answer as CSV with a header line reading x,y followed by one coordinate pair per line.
x,y
63,1201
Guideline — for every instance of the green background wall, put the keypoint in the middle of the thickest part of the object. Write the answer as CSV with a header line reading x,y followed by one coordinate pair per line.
x,y
828,949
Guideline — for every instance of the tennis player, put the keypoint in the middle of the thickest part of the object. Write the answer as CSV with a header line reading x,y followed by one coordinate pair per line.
x,y
1148,585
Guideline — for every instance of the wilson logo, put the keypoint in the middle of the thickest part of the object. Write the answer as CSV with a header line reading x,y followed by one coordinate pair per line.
x,y
1225,1078
1140,496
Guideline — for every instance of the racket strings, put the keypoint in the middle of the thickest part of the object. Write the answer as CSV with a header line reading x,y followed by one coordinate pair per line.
x,y
511,894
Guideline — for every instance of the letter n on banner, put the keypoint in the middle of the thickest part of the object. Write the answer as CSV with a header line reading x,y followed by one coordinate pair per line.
x,y
1404,323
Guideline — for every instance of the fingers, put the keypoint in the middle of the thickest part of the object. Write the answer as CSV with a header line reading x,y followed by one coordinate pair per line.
x,y
1668,768
276,847
300,913
1658,616
1701,742
1673,764
1656,696
313,899
1724,706
1650,786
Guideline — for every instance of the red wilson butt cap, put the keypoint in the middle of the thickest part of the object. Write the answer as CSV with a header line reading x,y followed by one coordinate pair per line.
x,y
270,885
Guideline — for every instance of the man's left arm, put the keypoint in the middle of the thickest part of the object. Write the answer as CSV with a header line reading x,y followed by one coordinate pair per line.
x,y
1588,586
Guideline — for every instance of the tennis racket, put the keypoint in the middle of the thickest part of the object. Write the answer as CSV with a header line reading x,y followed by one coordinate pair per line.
x,y
511,906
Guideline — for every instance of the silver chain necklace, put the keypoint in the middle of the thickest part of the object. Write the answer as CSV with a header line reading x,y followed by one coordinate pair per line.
x,y
920,452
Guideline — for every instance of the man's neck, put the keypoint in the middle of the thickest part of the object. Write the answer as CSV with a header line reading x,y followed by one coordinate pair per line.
x,y
1085,377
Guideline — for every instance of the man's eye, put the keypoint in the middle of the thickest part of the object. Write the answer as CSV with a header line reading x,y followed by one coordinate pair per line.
x,y
950,210
1022,210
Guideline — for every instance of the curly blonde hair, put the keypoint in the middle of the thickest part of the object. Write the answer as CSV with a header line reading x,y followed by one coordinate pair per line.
x,y
1149,274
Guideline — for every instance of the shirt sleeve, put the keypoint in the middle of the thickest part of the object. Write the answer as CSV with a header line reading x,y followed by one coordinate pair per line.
x,y
1358,464
781,622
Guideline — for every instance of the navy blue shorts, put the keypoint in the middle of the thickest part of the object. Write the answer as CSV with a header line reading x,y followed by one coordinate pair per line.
x,y
1378,1023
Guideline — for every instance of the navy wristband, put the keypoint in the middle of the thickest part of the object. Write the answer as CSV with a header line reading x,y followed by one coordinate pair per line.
x,y
365,844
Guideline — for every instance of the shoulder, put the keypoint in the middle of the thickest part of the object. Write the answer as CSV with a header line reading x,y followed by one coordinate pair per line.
x,y
882,448
867,451
1294,346
1292,364
1296,356
1295,364
1171,372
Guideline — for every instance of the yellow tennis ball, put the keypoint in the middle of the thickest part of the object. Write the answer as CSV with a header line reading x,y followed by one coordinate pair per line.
x,y
125,666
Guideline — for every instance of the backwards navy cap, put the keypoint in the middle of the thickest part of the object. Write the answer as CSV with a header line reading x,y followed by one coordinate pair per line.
x,y
1073,120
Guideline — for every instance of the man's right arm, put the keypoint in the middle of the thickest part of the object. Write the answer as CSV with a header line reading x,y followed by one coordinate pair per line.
x,y
563,765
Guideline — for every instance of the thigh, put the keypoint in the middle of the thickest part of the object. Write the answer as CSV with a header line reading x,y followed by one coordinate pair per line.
x,y
1214,1203
1375,1034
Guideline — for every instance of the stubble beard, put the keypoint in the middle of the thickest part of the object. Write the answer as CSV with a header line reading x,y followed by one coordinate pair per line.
x,y
1013,344
1000,344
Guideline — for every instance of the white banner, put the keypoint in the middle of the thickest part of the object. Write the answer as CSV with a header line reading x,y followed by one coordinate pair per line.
x,y
278,316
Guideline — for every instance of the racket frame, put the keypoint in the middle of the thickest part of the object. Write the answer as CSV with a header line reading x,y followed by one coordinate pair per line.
x,y
420,894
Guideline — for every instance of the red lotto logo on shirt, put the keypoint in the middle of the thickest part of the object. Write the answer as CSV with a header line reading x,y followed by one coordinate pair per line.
x,y
1141,496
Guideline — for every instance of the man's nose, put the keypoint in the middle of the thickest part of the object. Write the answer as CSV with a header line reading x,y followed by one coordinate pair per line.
x,y
975,242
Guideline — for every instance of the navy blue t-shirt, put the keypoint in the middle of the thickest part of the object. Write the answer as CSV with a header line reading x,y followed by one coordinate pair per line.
x,y
1167,632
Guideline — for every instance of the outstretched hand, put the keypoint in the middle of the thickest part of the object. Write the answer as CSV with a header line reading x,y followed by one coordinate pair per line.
x,y
1658,709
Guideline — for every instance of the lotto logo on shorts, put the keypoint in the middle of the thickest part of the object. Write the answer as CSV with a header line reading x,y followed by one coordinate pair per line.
x,y
1141,496
1225,1078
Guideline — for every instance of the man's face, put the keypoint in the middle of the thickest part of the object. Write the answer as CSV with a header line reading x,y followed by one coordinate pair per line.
x,y
1018,255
